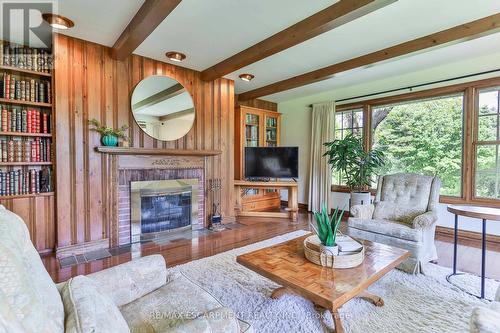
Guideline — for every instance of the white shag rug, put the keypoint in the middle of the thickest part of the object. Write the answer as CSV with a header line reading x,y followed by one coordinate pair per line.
x,y
413,303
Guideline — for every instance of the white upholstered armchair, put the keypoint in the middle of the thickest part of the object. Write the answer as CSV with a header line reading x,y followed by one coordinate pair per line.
x,y
403,215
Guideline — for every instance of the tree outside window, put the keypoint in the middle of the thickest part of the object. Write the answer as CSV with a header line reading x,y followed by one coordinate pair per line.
x,y
487,175
422,136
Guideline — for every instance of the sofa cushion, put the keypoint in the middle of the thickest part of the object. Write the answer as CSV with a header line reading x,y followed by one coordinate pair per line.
x,y
396,212
171,307
88,310
387,228
131,280
26,290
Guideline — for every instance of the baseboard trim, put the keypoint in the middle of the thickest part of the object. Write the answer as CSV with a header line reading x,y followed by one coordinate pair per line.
x,y
66,251
228,219
45,252
466,234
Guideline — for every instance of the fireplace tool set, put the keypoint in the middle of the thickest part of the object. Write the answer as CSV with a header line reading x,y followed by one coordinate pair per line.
x,y
214,187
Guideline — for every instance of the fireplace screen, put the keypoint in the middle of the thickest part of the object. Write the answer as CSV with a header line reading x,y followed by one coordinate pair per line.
x,y
165,211
162,206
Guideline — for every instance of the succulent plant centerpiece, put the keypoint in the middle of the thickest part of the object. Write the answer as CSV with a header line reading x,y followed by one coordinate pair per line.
x,y
327,228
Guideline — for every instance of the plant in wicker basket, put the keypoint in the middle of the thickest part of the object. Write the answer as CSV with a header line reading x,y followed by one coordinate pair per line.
x,y
327,228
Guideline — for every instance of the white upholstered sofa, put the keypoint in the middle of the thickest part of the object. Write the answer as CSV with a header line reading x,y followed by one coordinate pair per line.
x,y
486,319
138,296
403,215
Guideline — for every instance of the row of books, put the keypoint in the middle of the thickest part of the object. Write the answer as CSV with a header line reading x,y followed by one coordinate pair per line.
x,y
24,120
252,133
35,59
25,90
26,181
252,119
272,122
29,150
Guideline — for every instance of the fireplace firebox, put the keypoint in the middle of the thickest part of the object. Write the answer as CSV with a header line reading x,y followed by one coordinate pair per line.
x,y
162,206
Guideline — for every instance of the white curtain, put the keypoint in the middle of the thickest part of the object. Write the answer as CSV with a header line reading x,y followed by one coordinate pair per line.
x,y
320,175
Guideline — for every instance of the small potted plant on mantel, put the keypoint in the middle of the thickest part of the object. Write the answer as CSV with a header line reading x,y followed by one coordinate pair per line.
x,y
110,136
356,166
327,228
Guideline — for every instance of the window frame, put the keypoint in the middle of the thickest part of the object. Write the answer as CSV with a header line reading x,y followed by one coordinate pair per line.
x,y
352,111
470,91
476,143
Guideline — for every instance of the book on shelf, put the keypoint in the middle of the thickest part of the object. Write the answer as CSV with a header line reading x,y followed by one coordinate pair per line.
x,y
22,57
26,90
25,150
24,120
25,181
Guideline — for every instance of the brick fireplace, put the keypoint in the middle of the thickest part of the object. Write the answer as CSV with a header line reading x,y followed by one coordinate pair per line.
x,y
181,173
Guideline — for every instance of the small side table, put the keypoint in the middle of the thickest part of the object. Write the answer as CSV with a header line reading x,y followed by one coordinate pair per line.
x,y
483,213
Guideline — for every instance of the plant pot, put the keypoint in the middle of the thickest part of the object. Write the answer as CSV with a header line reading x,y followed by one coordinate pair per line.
x,y
360,198
109,140
332,250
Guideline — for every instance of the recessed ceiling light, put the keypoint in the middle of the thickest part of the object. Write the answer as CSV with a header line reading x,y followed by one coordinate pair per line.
x,y
246,77
175,56
58,21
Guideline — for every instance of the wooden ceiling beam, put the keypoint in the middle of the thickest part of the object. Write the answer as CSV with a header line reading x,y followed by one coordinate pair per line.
x,y
342,12
159,97
458,34
145,21
177,114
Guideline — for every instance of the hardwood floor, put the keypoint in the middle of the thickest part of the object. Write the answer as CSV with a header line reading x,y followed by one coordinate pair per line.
x,y
253,230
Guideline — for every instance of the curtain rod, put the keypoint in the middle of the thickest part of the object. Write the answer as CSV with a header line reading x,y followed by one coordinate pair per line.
x,y
417,85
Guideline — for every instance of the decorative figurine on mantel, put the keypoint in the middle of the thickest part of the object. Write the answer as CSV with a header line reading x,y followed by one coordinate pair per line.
x,y
110,136
214,187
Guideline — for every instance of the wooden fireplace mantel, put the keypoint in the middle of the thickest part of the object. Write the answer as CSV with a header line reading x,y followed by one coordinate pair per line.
x,y
153,151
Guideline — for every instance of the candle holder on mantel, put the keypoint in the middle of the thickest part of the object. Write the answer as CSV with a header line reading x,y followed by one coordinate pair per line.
x,y
215,218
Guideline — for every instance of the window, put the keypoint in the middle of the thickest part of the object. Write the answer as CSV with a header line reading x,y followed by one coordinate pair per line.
x,y
347,122
487,179
422,136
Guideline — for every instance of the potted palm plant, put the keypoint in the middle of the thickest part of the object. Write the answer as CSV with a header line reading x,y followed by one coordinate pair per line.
x,y
356,166
327,228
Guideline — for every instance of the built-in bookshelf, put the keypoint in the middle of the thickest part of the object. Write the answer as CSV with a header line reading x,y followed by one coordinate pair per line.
x,y
26,141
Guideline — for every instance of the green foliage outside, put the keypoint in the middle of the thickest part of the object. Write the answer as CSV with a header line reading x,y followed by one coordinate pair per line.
x,y
488,162
424,137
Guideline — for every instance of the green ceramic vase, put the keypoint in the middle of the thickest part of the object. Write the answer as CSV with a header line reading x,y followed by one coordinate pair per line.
x,y
109,140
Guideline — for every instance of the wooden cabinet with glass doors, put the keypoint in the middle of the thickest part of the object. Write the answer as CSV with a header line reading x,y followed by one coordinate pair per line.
x,y
255,128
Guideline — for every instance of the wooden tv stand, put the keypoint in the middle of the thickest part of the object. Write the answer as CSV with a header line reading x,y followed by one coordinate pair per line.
x,y
293,205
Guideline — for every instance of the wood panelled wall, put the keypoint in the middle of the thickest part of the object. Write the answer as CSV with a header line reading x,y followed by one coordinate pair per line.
x,y
90,84
38,214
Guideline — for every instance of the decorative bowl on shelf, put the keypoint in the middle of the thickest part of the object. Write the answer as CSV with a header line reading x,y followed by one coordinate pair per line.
x,y
316,253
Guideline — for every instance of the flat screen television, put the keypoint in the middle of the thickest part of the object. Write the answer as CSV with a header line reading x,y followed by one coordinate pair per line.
x,y
271,162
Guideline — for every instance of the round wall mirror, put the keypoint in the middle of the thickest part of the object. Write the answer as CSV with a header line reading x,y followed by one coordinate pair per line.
x,y
163,108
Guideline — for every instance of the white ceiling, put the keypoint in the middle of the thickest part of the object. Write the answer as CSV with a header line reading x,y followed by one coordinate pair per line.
x,y
99,21
210,31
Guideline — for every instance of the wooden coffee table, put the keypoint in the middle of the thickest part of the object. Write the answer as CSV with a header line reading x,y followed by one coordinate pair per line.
x,y
327,288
